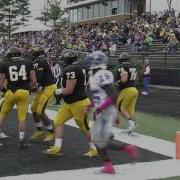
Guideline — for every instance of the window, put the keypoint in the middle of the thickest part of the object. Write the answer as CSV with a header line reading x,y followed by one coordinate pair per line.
x,y
114,7
108,9
90,12
96,10
121,6
85,13
102,10
71,15
75,15
80,14
127,6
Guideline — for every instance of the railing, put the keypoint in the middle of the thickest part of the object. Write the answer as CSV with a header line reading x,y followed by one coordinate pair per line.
x,y
164,57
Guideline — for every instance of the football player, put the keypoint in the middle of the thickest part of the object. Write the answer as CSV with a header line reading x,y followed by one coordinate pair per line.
x,y
43,96
126,76
103,95
20,77
74,94
2,92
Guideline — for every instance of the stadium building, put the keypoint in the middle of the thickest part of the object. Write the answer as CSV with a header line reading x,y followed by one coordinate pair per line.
x,y
98,10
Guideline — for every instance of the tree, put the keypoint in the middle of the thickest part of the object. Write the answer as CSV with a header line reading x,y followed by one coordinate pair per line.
x,y
9,14
55,13
169,2
24,11
51,12
44,16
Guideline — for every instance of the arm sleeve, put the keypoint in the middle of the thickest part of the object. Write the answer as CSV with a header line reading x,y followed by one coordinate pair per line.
x,y
39,71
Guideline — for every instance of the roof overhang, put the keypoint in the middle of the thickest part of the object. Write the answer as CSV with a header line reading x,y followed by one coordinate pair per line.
x,y
81,3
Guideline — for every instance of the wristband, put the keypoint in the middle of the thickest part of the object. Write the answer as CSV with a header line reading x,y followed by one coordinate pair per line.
x,y
59,91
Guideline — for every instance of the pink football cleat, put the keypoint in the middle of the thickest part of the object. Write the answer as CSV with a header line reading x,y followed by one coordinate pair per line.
x,y
108,168
131,150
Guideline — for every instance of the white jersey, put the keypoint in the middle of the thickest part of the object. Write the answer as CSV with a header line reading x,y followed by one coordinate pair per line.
x,y
96,82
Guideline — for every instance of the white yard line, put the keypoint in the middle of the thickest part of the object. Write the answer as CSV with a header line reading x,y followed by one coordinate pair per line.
x,y
137,171
156,145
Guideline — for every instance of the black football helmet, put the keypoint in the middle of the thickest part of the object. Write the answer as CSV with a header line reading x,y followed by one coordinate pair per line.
x,y
69,57
124,58
13,53
37,51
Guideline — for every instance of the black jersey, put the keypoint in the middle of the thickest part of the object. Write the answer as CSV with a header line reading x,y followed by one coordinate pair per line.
x,y
132,76
43,72
17,73
80,91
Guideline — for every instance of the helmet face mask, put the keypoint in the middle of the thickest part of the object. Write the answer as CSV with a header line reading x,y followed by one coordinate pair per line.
x,y
37,51
96,60
13,53
69,57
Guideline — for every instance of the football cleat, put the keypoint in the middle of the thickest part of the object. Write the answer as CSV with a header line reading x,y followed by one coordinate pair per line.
x,y
107,168
48,137
92,153
37,136
53,151
3,135
131,127
131,150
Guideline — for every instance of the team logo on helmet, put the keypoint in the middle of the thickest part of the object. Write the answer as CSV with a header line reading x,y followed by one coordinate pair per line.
x,y
69,57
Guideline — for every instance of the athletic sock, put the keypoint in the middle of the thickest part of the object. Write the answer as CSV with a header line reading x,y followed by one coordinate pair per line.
x,y
21,136
50,129
92,146
39,126
58,142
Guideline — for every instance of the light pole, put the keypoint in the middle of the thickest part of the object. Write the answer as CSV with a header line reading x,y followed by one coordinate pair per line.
x,y
131,11
150,6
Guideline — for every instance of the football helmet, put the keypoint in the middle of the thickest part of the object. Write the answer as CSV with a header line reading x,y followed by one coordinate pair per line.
x,y
69,57
13,53
124,58
96,60
37,51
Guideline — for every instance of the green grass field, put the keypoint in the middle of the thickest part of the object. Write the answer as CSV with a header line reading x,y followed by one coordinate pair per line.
x,y
154,125
159,126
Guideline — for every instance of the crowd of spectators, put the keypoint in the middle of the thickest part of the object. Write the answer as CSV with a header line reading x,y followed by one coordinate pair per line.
x,y
138,34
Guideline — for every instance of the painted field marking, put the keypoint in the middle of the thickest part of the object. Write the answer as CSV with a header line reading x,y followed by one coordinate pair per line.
x,y
136,171
156,145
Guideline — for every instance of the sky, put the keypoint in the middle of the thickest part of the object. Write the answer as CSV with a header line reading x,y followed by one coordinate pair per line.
x,y
157,5
37,6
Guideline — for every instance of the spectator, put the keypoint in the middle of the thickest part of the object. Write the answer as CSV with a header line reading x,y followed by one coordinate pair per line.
x,y
146,73
112,48
148,42
172,45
